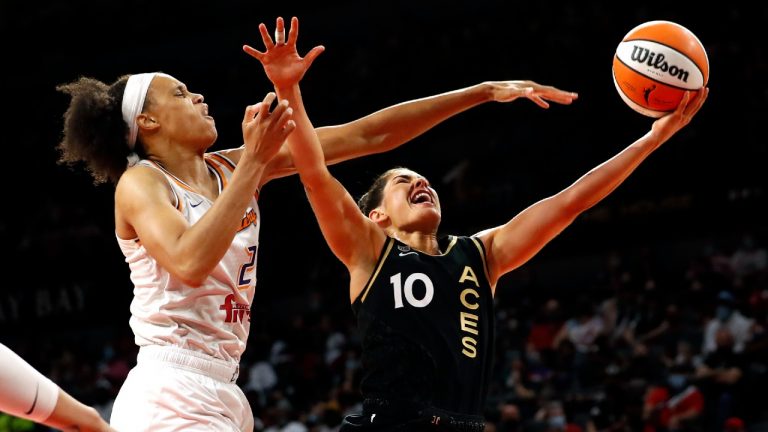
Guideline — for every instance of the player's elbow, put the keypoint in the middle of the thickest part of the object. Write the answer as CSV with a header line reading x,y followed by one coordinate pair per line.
x,y
191,274
192,280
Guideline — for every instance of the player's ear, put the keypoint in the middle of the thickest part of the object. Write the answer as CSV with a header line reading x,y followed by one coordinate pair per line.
x,y
379,217
146,121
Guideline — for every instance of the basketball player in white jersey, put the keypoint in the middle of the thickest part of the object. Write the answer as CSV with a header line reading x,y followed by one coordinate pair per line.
x,y
26,393
188,221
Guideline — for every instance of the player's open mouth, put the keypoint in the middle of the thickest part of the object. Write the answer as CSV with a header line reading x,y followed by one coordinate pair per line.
x,y
421,197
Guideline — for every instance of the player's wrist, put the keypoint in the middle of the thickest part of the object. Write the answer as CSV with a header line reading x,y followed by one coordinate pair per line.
x,y
482,93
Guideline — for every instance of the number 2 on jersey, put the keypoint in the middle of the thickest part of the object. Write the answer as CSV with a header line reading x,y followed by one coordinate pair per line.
x,y
244,279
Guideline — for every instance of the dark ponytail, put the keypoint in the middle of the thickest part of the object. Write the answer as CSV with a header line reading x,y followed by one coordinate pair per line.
x,y
94,130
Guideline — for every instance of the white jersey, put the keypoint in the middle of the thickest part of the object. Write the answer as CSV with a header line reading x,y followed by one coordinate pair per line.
x,y
213,318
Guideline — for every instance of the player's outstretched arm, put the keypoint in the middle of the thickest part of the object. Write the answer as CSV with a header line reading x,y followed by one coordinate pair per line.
x,y
390,127
512,244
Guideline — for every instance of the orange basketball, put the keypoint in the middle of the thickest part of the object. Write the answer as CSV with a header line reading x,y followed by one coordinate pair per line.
x,y
655,64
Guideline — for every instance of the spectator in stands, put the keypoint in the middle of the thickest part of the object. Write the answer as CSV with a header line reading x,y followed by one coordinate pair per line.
x,y
727,316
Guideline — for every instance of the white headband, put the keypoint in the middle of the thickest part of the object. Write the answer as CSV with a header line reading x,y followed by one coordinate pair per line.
x,y
133,101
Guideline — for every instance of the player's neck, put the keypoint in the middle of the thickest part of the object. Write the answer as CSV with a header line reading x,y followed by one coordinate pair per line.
x,y
189,168
423,242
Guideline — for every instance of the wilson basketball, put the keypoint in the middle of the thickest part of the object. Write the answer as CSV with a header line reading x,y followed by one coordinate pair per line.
x,y
655,64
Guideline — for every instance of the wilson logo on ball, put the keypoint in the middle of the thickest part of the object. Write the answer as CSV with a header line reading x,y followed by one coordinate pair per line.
x,y
657,61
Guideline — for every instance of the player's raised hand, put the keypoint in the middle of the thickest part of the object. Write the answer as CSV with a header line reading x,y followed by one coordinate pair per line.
x,y
281,60
264,132
671,123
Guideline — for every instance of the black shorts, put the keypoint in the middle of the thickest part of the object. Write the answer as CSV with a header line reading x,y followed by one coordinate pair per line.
x,y
379,416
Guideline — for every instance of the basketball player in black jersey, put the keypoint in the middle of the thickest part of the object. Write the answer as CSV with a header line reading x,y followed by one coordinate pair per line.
x,y
424,308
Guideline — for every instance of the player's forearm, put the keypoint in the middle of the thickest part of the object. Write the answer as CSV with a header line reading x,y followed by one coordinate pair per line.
x,y
72,415
24,391
303,142
28,394
200,248
393,126
335,210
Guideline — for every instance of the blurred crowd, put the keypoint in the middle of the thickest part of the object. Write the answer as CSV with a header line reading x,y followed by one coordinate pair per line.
x,y
639,344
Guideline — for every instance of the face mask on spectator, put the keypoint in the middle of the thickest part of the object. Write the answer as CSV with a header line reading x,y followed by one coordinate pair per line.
x,y
557,422
676,381
723,313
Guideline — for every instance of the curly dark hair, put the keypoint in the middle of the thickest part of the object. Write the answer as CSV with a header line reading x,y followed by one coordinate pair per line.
x,y
94,130
372,198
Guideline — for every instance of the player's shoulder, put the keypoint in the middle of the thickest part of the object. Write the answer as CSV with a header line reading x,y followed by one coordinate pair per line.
x,y
140,180
140,174
450,241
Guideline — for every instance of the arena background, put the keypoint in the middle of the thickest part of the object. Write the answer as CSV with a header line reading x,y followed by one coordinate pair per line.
x,y
65,295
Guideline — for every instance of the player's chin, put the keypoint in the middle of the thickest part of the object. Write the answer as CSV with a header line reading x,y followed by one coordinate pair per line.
x,y
425,208
430,214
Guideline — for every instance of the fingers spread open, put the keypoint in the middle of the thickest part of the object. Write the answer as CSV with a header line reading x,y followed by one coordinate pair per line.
x,y
251,111
278,112
293,32
313,53
279,31
538,101
285,117
560,96
266,103
530,93
684,102
266,37
289,127
698,101
253,52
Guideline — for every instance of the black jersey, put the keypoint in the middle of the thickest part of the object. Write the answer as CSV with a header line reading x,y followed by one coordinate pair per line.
x,y
427,326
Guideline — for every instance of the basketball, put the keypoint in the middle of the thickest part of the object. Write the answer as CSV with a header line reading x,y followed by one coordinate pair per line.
x,y
655,64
